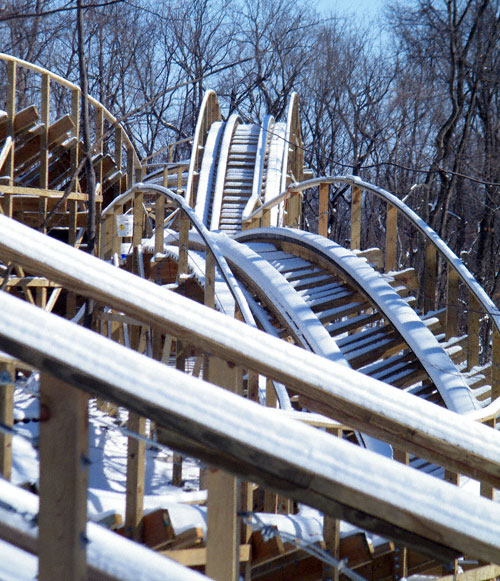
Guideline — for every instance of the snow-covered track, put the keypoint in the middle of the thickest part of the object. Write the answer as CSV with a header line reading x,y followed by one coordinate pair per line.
x,y
375,329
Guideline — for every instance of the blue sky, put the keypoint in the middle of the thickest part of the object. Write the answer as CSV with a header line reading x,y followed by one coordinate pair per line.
x,y
361,8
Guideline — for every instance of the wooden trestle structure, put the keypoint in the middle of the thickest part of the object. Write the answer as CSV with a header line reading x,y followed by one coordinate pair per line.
x,y
373,353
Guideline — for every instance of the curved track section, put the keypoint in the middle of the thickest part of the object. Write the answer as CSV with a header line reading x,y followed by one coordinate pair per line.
x,y
376,330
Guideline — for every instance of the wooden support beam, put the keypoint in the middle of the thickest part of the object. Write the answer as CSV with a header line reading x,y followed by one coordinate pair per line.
x,y
223,534
45,119
331,536
182,265
209,290
75,117
63,481
430,274
495,364
473,330
356,206
7,370
391,238
452,306
136,457
198,557
159,220
11,114
138,219
324,193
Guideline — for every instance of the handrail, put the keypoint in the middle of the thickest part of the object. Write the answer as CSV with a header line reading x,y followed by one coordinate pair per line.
x,y
425,429
202,230
233,433
62,81
463,272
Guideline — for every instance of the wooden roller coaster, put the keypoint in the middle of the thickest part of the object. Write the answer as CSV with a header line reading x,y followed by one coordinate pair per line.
x,y
362,386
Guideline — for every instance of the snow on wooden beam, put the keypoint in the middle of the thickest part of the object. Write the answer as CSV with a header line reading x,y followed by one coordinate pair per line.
x,y
233,433
357,400
110,556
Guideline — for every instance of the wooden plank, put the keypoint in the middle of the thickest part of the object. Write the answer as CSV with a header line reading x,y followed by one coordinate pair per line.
x,y
138,219
473,330
63,481
157,529
495,364
11,113
39,192
265,550
159,220
209,290
223,537
136,456
198,557
7,370
430,275
356,206
480,573
324,193
23,120
47,137
331,536
182,264
75,117
452,305
44,141
391,238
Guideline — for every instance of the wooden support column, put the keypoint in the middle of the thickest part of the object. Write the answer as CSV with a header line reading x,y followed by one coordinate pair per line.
x,y
64,463
159,221
473,329
452,303
331,533
430,275
7,370
138,219
391,238
11,115
99,146
487,490
132,172
45,119
180,364
270,498
118,147
495,364
223,534
401,552
324,193
136,457
356,204
182,265
72,221
75,132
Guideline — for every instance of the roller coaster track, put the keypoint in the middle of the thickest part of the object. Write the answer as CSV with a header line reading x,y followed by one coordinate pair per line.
x,y
224,228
